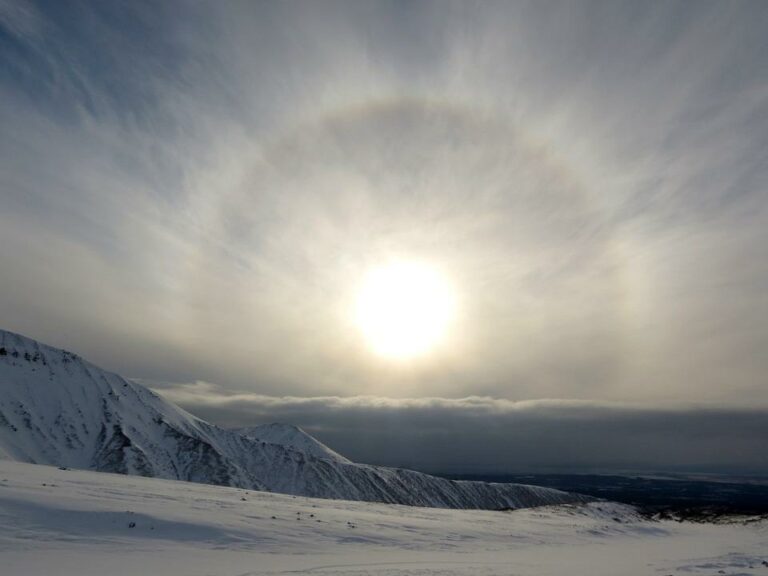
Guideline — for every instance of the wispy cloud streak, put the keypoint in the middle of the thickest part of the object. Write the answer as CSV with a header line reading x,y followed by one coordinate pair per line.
x,y
193,191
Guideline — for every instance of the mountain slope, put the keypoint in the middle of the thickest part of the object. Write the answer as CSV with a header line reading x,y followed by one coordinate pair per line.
x,y
293,436
56,408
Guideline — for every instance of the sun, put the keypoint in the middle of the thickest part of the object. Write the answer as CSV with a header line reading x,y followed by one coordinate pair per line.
x,y
404,309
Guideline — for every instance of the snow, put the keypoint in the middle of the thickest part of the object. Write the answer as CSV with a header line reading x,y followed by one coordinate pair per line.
x,y
293,436
58,409
72,522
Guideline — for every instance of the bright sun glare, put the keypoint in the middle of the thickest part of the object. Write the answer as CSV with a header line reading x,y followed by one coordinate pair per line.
x,y
404,309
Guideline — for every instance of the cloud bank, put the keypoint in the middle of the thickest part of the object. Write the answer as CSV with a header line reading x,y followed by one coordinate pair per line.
x,y
484,435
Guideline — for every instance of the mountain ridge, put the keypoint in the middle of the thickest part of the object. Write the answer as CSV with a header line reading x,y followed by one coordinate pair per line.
x,y
94,419
293,436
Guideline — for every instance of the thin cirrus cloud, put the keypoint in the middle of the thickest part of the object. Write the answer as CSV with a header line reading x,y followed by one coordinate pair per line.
x,y
194,192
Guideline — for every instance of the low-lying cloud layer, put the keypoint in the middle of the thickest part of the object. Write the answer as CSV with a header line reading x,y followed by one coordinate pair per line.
x,y
487,435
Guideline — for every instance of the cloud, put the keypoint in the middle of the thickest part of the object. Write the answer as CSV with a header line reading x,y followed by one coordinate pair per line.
x,y
21,19
490,435
194,192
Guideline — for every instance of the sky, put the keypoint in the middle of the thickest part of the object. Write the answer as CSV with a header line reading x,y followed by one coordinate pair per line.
x,y
192,195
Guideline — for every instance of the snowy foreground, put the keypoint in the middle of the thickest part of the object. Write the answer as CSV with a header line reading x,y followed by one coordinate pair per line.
x,y
75,522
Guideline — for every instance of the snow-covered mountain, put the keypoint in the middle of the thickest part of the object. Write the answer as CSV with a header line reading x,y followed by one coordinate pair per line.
x,y
58,409
293,436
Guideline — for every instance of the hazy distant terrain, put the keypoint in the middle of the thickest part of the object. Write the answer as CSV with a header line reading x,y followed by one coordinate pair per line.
x,y
726,495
